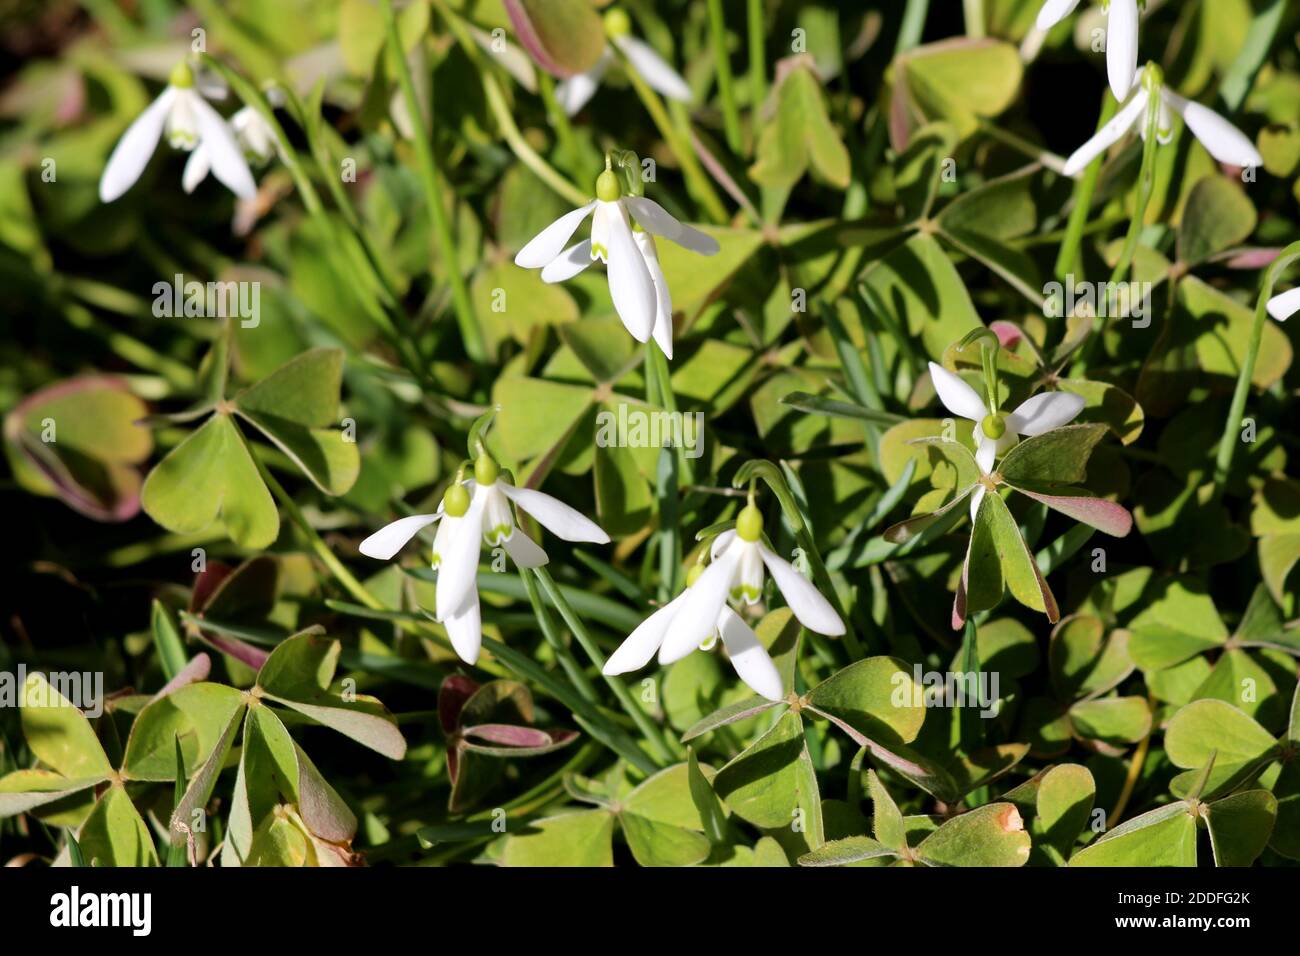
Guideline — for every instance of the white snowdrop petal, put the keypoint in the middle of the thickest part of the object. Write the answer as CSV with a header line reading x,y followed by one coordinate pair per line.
x,y
809,606
697,617
572,94
975,500
640,646
389,539
458,563
132,152
663,328
1285,305
1043,412
1053,12
224,154
658,220
654,68
748,656
958,397
986,449
568,263
196,169
721,543
465,629
555,516
524,551
630,285
1121,46
1220,138
1108,135
549,243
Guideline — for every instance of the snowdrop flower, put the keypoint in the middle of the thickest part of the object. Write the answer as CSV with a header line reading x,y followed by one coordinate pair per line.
x,y
191,125
1220,138
255,138
473,512
636,282
1121,38
1285,304
699,612
996,432
573,93
748,656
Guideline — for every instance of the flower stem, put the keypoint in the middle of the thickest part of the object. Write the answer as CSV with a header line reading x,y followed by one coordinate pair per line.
x,y
345,577
431,178
1067,260
973,11
496,101
1231,427
726,86
698,183
652,732
757,45
562,653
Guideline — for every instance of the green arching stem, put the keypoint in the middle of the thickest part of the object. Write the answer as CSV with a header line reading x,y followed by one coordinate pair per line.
x,y
496,100
564,134
726,86
431,178
1231,427
973,10
700,186
648,728
1067,259
1146,185
571,667
757,45
657,368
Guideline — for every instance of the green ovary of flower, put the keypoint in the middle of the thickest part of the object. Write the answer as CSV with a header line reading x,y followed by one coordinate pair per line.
x,y
486,470
607,186
749,525
994,426
182,77
456,501
617,23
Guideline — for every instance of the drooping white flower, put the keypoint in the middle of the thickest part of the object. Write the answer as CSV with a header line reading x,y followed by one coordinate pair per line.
x,y
1121,38
255,138
572,94
1285,304
191,125
736,574
996,432
474,512
748,656
1221,139
636,282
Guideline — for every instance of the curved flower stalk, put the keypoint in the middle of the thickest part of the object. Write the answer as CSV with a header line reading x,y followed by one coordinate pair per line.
x,y
191,125
572,94
1221,139
471,513
1285,304
997,432
1121,37
636,281
701,611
